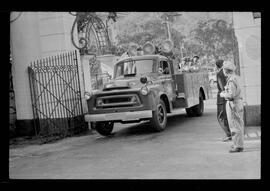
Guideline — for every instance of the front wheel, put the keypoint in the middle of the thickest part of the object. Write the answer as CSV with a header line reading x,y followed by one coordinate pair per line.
x,y
104,128
159,118
190,112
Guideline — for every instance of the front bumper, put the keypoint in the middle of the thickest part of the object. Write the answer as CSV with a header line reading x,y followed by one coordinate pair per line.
x,y
119,116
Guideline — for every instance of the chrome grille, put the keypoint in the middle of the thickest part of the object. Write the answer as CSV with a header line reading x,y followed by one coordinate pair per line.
x,y
114,101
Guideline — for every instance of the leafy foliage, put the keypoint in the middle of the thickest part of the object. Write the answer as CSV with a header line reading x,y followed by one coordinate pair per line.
x,y
141,31
213,39
214,36
208,38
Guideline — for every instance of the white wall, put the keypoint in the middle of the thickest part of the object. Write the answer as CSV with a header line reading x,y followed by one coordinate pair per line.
x,y
248,33
25,47
55,32
35,35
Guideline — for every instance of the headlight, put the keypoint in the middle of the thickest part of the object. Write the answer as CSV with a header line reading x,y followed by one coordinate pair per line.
x,y
109,85
87,95
144,90
134,99
99,102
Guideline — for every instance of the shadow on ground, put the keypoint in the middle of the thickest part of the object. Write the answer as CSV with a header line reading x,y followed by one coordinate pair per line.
x,y
143,130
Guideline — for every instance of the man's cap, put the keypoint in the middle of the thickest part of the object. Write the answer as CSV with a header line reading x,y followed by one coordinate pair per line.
x,y
229,66
219,63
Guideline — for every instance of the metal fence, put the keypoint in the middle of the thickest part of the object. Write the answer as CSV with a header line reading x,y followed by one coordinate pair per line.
x,y
56,96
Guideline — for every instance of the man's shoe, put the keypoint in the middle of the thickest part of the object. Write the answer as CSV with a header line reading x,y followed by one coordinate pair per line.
x,y
235,150
225,139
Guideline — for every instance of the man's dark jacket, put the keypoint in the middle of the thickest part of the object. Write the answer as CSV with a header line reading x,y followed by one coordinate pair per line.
x,y
221,82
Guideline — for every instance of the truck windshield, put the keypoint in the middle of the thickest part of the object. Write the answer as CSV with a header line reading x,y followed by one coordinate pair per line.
x,y
133,67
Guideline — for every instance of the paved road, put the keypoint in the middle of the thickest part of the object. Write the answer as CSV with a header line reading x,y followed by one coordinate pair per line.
x,y
189,148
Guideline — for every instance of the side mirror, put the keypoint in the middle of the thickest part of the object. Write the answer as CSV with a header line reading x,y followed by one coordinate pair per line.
x,y
143,80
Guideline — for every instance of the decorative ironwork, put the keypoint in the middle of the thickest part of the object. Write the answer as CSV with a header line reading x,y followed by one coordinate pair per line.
x,y
56,96
91,28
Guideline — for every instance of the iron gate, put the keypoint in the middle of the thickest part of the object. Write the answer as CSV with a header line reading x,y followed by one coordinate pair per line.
x,y
56,96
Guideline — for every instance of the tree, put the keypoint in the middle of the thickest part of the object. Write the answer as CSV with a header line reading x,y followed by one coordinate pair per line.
x,y
143,27
213,38
210,36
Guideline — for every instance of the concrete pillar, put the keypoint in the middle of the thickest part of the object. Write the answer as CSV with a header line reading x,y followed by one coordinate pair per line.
x,y
248,33
86,72
108,60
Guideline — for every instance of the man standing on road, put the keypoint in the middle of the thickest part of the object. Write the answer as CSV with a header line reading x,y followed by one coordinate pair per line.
x,y
221,102
234,107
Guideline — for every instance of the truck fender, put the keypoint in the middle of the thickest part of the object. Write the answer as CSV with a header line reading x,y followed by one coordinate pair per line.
x,y
203,92
166,100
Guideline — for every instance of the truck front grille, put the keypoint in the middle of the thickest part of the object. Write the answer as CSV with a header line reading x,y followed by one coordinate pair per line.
x,y
116,101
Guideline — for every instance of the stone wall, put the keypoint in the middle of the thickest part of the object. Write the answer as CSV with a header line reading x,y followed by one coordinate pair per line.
x,y
252,115
33,36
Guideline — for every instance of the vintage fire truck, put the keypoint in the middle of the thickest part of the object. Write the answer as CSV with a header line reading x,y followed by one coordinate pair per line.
x,y
147,87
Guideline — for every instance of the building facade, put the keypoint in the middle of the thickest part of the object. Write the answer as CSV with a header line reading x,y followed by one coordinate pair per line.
x,y
39,35
247,26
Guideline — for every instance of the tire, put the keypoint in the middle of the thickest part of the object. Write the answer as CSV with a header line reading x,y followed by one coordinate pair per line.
x,y
190,112
158,121
199,109
104,128
93,125
196,110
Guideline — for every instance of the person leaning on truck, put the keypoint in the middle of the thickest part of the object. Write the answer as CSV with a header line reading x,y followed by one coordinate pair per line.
x,y
221,102
234,107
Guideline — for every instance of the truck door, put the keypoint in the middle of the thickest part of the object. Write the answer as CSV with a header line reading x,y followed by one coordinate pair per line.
x,y
165,74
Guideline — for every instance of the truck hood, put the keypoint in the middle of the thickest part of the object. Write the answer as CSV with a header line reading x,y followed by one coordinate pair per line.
x,y
123,83
128,82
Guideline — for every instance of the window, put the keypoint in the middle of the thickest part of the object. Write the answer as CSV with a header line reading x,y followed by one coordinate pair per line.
x,y
164,67
133,67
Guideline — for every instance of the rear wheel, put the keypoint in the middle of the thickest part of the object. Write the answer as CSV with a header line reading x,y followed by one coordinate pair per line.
x,y
199,109
196,110
159,118
104,128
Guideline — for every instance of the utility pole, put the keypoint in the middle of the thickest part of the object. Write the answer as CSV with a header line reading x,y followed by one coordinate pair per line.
x,y
168,19
181,49
168,28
